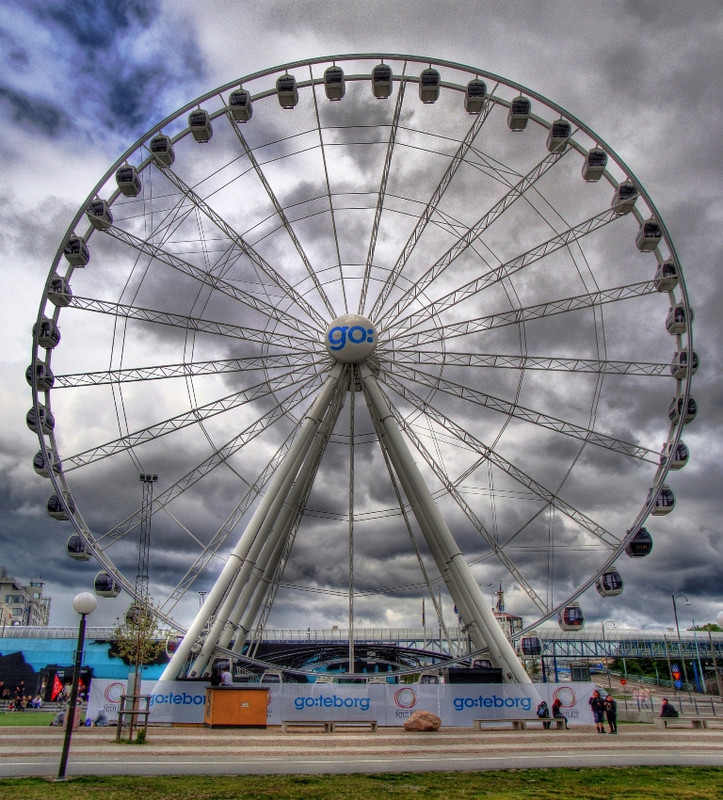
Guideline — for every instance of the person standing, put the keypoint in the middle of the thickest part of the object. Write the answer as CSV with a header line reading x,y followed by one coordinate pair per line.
x,y
611,713
597,705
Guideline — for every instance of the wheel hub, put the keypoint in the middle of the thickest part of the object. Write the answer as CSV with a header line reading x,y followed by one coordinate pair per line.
x,y
351,339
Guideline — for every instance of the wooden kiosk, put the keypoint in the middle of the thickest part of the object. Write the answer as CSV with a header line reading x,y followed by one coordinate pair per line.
x,y
236,706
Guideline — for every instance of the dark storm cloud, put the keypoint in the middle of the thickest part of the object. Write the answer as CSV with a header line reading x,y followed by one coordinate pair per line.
x,y
33,113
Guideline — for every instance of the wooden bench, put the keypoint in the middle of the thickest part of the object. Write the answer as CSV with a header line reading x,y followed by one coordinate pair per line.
x,y
521,723
329,725
685,722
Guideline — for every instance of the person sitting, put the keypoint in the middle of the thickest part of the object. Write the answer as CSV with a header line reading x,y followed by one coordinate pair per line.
x,y
668,709
101,721
543,712
58,719
557,711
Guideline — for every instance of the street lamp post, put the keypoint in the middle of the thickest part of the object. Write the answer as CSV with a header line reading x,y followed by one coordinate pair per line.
x,y
84,603
677,628
607,664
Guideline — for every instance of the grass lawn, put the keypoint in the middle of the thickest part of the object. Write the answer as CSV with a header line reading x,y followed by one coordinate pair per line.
x,y
633,783
26,718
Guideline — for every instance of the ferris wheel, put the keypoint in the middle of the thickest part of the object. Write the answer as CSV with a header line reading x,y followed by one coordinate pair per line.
x,y
385,327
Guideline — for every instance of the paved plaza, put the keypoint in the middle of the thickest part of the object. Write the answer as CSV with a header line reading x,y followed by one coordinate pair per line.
x,y
214,751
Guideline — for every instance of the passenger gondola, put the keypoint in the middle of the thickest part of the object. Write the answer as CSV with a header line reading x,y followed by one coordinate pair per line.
x,y
76,251
649,235
128,180
675,409
571,618
199,123
519,113
42,466
161,149
42,422
664,501
558,135
675,458
429,83
286,91
382,81
106,585
666,276
609,584
474,96
594,164
48,333
77,548
41,375
59,291
640,545
240,106
99,215
624,197
57,510
677,320
334,83
530,646
679,364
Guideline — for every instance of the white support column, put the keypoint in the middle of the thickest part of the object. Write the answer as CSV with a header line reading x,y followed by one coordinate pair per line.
x,y
215,597
484,628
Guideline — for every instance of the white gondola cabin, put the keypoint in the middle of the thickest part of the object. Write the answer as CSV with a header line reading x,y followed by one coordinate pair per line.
x,y
677,320
571,618
558,135
474,96
640,545
286,91
429,83
42,466
99,215
519,113
59,510
42,422
128,180
382,81
624,197
77,548
675,458
609,584
106,585
666,276
240,106
59,291
199,123
76,251
334,83
530,646
664,501
649,236
594,164
675,410
679,364
161,149
48,333
41,375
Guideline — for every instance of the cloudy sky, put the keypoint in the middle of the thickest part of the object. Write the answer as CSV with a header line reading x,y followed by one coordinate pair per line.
x,y
82,82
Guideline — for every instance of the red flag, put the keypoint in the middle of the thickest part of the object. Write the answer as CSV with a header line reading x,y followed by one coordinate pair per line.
x,y
57,688
81,685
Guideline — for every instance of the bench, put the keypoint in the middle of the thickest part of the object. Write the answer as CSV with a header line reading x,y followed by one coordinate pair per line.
x,y
329,725
685,722
521,723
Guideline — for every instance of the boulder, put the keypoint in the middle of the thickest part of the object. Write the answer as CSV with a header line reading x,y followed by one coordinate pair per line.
x,y
422,721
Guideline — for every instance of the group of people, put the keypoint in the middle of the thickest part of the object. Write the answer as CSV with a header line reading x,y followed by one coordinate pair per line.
x,y
17,699
543,712
604,708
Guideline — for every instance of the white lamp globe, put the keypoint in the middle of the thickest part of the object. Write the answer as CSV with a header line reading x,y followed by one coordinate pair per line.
x,y
85,603
720,618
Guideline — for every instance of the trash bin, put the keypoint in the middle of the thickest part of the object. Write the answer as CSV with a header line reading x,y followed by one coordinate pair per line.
x,y
236,707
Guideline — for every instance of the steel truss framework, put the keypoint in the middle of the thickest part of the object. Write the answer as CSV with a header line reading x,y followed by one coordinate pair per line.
x,y
520,344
